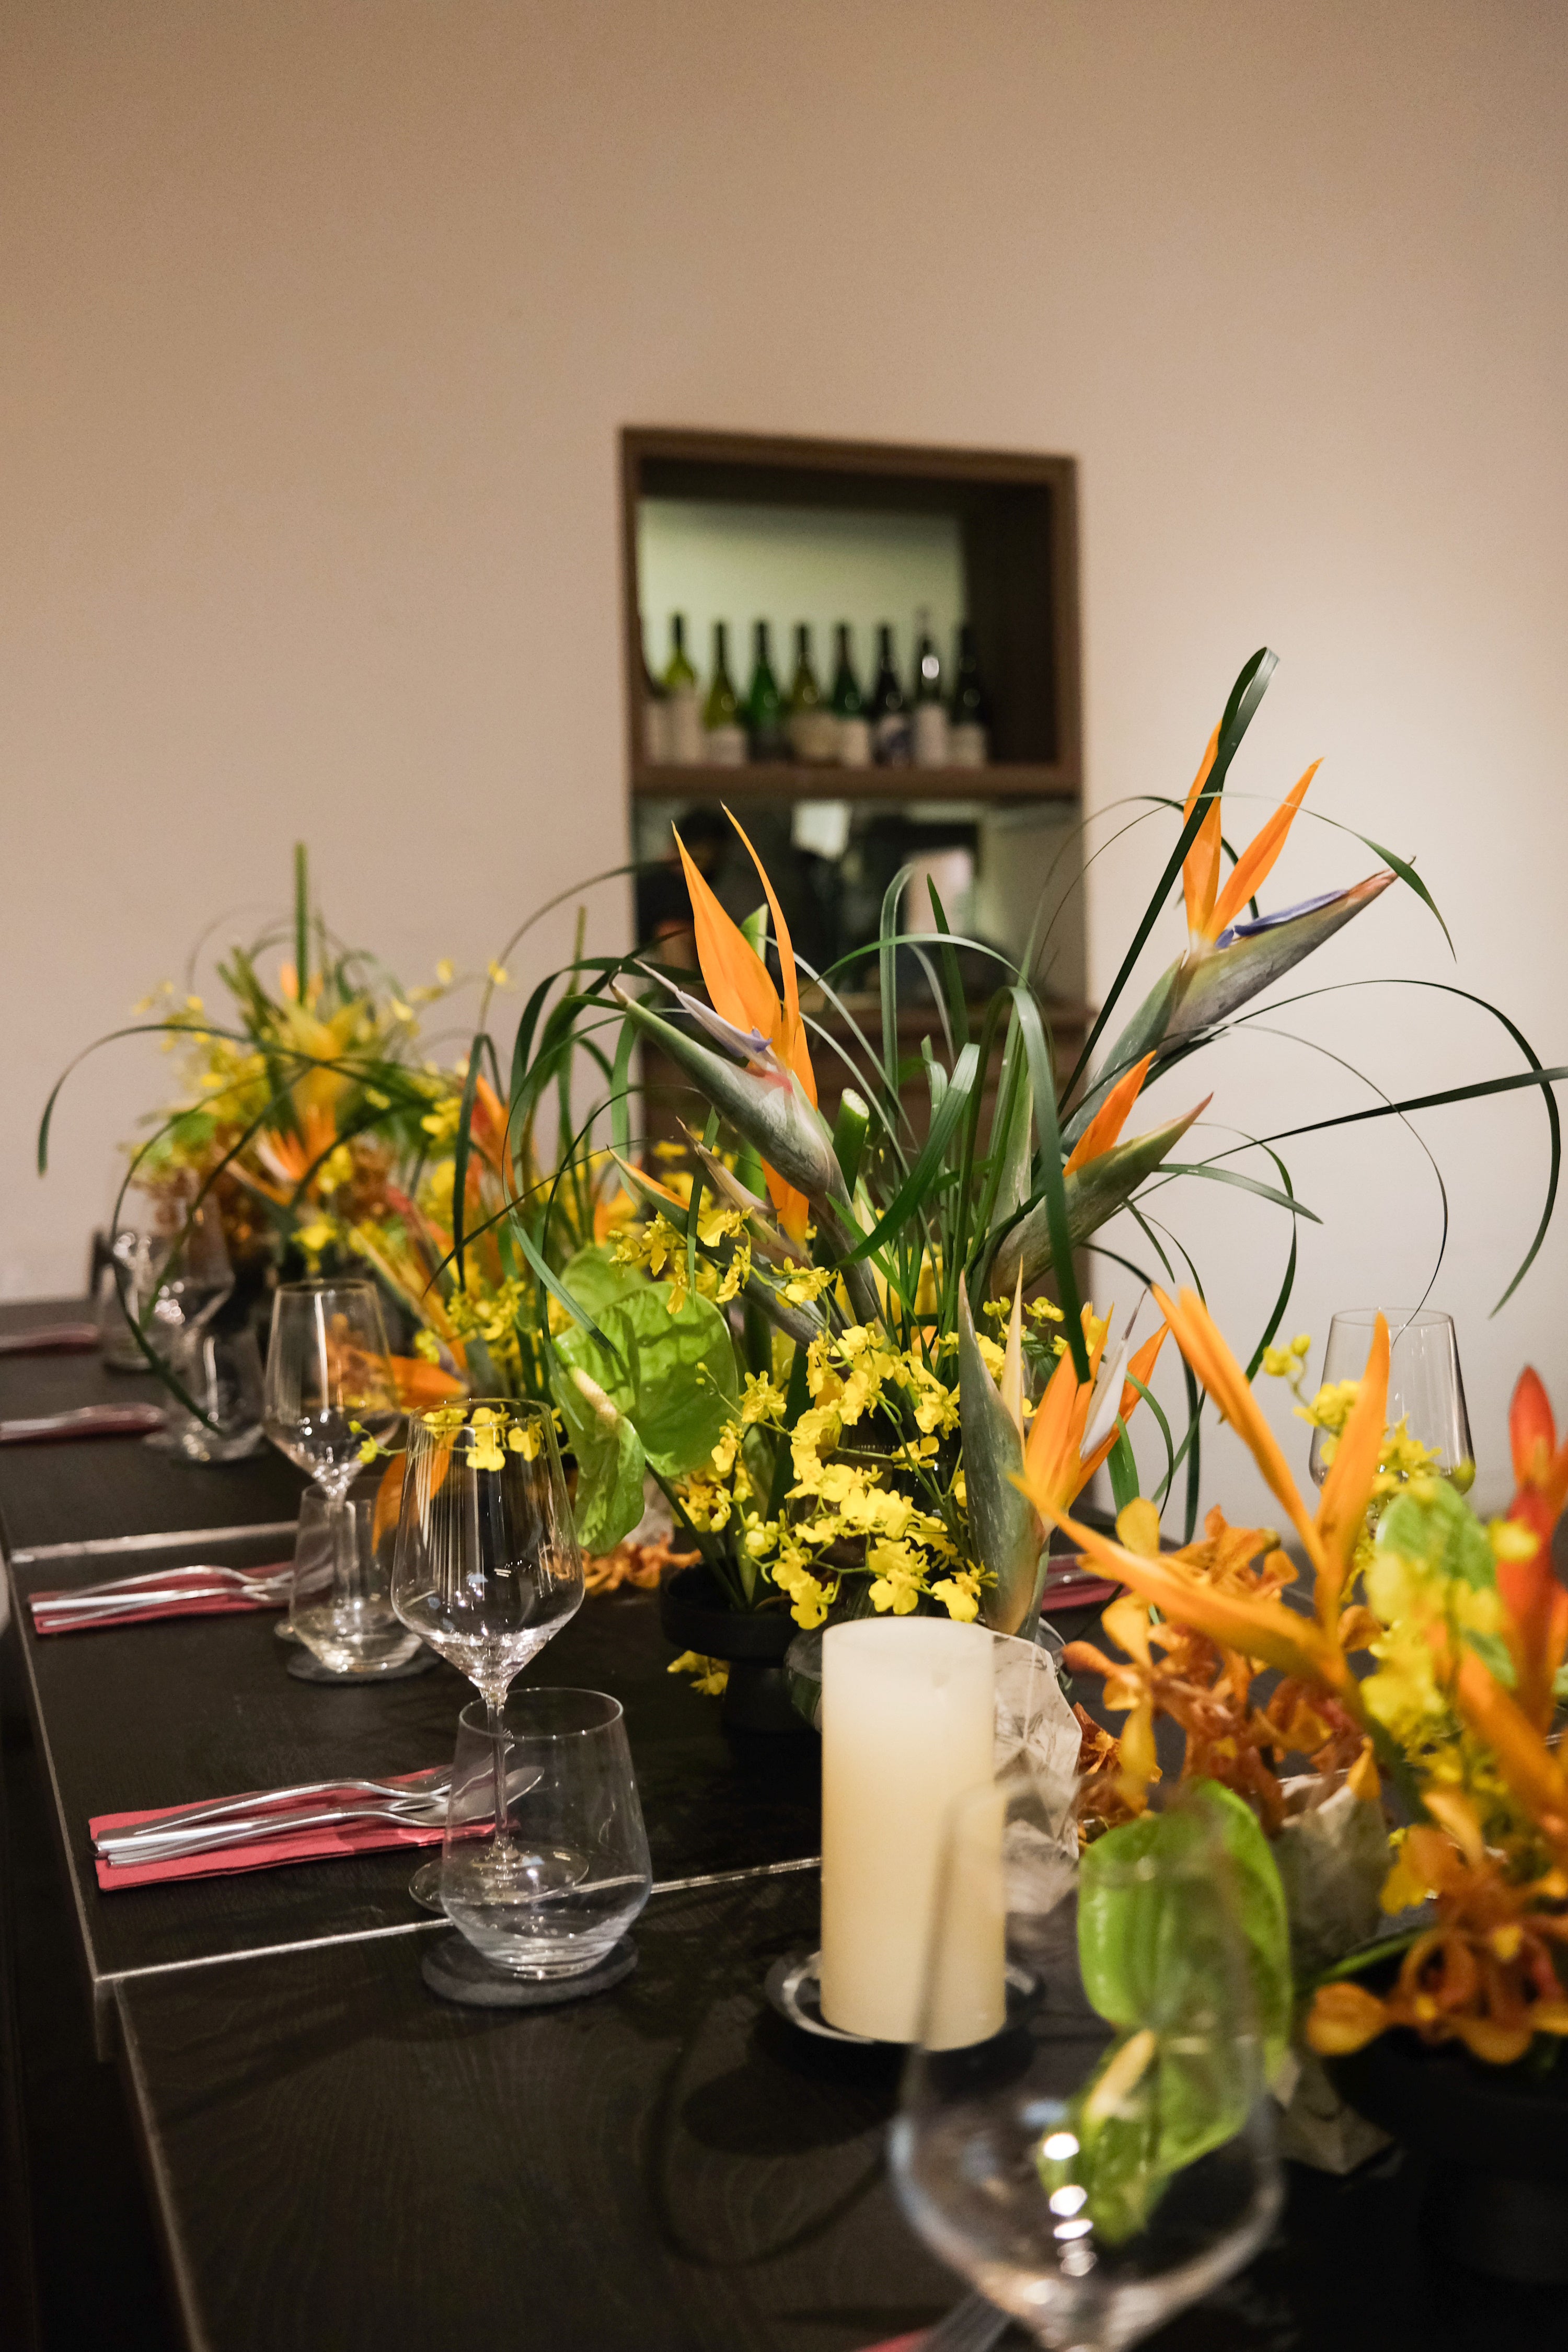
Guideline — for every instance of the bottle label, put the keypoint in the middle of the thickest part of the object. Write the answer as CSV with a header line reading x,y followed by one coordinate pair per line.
x,y
967,744
890,740
726,747
930,735
814,737
854,742
684,722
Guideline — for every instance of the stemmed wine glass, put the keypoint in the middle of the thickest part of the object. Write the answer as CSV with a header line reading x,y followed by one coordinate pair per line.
x,y
1084,2131
1425,1386
487,1568
329,1388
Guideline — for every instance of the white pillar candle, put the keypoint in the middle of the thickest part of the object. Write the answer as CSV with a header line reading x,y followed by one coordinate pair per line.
x,y
908,1711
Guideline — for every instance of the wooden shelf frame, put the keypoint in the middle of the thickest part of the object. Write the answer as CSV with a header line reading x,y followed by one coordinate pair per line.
x,y
1006,499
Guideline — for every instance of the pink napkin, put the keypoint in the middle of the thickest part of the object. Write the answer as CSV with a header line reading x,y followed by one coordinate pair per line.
x,y
1084,1591
201,1596
900,2343
257,1854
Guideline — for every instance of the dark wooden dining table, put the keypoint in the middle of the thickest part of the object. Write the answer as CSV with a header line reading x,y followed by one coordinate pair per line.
x,y
243,2124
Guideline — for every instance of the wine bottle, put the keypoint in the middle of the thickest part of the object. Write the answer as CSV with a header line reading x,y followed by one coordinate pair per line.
x,y
969,714
684,716
889,710
929,715
725,736
765,705
854,744
813,735
654,710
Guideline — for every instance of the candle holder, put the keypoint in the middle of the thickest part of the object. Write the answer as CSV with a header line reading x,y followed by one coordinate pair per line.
x,y
915,1712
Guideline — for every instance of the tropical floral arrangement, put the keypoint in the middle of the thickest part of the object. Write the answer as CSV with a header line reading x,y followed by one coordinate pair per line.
x,y
1421,1683
909,1403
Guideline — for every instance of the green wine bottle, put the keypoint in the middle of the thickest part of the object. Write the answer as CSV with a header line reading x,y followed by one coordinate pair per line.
x,y
683,717
725,736
969,713
854,745
930,716
889,711
765,705
813,736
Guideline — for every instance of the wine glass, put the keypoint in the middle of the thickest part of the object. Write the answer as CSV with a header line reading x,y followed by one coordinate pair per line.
x,y
1084,2131
1425,1387
487,1568
329,1388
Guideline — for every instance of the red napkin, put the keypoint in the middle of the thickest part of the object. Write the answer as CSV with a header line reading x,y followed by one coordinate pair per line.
x,y
257,1854
1078,1593
900,2343
208,1600
84,1420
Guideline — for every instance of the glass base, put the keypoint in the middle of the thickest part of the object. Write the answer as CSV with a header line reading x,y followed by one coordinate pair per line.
x,y
190,1442
371,1645
458,1972
426,1888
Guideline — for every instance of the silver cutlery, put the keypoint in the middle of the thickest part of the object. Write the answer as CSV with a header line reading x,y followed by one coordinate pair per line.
x,y
52,1339
158,1588
433,1783
218,1837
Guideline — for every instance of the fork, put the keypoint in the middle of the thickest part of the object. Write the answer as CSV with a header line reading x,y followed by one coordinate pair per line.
x,y
972,2326
435,1782
407,1813
240,1580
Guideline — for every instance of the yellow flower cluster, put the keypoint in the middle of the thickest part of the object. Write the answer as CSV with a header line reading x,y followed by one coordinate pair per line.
x,y
869,1493
661,1247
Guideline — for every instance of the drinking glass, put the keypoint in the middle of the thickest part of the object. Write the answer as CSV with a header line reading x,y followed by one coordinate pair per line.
x,y
172,1273
487,1566
545,1862
329,1387
1090,2177
224,1377
1425,1387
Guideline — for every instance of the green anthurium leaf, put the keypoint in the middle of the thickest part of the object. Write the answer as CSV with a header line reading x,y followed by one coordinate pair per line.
x,y
1152,1952
610,1459
1003,1528
598,1282
677,1382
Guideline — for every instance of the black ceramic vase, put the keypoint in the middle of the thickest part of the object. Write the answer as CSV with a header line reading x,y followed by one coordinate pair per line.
x,y
693,1614
1497,2137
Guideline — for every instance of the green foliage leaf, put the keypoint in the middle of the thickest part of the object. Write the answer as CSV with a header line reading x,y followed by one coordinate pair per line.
x,y
1002,1526
1151,1951
675,1383
610,1464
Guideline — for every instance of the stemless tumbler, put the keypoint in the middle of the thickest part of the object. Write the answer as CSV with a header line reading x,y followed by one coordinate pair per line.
x,y
547,1887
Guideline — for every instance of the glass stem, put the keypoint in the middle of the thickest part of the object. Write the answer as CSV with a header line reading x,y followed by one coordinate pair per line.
x,y
345,1554
497,1728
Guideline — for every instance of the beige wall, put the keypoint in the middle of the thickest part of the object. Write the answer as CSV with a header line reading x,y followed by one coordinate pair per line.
x,y
321,319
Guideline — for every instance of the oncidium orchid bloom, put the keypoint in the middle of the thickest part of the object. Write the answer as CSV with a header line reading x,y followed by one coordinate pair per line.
x,y
1211,910
1309,1649
741,993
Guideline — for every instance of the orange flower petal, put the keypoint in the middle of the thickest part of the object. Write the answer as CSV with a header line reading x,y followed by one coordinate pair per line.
x,y
733,973
1109,1120
1255,864
1199,1340
1347,1489
1195,864
792,1044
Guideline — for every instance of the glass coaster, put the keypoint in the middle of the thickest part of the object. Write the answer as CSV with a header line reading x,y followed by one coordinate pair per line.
x,y
453,1968
306,1667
